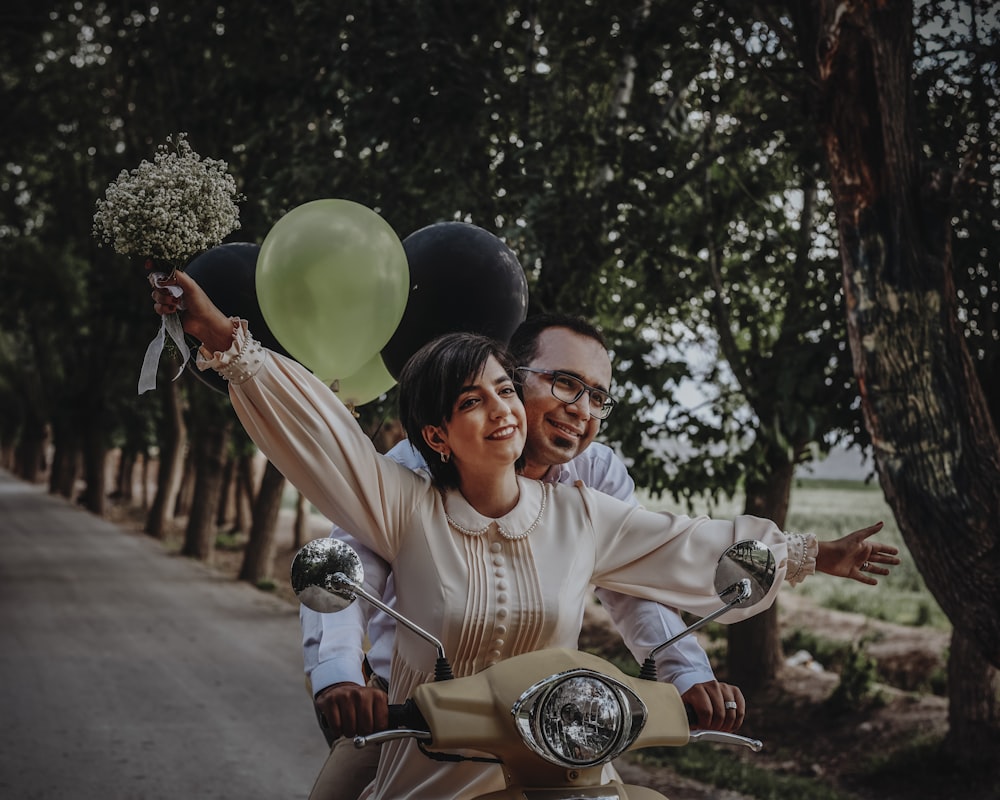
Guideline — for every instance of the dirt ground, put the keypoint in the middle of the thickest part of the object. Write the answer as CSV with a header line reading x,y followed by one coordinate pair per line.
x,y
802,735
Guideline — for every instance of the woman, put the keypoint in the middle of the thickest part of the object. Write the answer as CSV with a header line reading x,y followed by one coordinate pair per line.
x,y
491,563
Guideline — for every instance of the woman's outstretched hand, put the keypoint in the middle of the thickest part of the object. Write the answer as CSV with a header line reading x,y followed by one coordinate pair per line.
x,y
854,557
199,315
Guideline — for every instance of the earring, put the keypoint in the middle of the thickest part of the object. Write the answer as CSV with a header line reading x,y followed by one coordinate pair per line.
x,y
445,457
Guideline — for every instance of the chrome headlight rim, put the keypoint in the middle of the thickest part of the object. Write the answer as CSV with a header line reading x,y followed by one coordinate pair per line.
x,y
530,708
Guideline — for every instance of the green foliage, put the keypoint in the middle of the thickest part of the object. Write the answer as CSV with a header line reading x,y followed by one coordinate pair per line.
x,y
898,605
724,273
959,86
858,675
937,682
831,654
653,166
233,540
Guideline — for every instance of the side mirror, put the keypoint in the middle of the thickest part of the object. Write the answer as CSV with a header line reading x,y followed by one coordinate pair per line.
x,y
326,574
748,560
744,575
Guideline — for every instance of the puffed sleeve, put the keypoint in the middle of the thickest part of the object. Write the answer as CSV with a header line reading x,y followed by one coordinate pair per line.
x,y
315,442
671,558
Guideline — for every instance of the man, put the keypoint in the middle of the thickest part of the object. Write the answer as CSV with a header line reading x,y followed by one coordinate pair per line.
x,y
566,377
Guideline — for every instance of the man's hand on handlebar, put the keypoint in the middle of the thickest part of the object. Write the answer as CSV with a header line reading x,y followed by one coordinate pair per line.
x,y
718,706
348,709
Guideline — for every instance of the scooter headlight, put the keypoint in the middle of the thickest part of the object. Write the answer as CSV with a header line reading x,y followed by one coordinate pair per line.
x,y
579,718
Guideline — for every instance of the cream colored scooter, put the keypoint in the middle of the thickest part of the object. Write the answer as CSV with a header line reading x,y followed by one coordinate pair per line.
x,y
552,718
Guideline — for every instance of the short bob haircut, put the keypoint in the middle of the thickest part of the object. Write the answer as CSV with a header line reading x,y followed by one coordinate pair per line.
x,y
430,383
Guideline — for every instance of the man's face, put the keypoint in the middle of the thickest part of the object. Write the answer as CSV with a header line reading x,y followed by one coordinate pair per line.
x,y
557,431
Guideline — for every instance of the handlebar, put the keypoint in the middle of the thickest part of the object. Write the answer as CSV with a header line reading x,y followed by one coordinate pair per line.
x,y
719,737
405,722
727,738
406,715
386,736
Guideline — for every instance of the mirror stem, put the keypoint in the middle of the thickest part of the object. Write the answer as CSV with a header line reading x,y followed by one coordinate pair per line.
x,y
342,579
741,587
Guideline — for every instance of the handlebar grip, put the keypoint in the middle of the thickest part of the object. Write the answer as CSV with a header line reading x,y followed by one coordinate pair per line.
x,y
406,715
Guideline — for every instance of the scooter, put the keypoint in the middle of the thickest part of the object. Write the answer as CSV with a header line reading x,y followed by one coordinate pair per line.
x,y
552,718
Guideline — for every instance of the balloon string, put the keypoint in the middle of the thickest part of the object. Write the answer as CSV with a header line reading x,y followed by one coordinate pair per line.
x,y
335,386
378,428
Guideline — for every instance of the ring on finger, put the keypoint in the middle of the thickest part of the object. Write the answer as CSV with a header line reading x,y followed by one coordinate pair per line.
x,y
865,566
731,704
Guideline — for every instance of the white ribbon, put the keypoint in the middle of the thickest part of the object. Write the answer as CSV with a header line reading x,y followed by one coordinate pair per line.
x,y
169,324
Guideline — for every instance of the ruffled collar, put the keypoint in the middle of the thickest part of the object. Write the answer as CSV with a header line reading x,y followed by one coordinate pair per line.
x,y
516,524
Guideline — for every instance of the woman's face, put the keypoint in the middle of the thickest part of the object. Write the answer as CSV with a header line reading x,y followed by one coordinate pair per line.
x,y
487,424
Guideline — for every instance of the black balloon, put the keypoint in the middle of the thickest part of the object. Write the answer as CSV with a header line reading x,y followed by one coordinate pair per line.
x,y
227,273
462,278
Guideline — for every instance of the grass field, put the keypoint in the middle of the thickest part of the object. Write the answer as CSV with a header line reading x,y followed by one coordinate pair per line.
x,y
831,509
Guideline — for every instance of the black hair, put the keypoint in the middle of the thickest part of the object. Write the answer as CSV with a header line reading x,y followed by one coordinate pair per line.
x,y
430,384
524,343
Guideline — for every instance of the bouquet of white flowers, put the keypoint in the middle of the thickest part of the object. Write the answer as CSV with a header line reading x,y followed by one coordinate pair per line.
x,y
171,209
166,212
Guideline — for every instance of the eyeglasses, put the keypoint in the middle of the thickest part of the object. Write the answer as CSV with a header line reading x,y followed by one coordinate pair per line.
x,y
568,389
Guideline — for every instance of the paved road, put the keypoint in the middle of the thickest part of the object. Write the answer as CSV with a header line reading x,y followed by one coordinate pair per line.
x,y
130,674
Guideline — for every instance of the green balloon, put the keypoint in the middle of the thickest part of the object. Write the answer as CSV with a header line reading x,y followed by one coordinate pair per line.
x,y
332,282
367,384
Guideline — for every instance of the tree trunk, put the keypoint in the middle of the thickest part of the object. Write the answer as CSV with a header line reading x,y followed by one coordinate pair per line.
x,y
65,467
124,480
144,486
244,493
301,519
754,653
226,512
973,712
94,470
172,441
189,474
29,453
936,445
937,450
258,558
209,456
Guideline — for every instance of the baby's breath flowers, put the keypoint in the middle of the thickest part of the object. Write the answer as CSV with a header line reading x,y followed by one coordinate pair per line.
x,y
169,210
166,213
